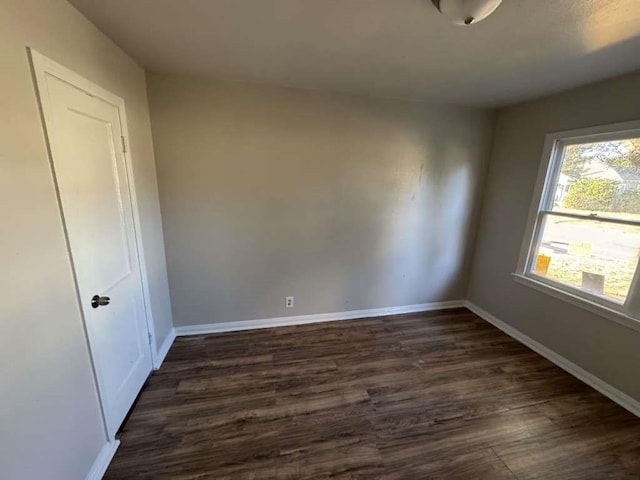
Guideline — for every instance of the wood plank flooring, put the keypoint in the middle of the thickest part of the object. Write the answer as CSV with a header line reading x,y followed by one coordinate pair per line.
x,y
439,395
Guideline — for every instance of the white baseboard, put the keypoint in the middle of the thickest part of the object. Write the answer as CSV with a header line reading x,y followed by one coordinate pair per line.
x,y
103,460
164,348
603,387
315,318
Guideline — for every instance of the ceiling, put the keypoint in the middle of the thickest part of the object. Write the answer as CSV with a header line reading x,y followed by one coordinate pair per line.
x,y
388,48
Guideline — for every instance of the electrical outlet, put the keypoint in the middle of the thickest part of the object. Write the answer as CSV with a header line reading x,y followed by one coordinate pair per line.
x,y
288,302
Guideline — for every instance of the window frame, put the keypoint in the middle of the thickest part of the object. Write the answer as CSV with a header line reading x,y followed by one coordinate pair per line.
x,y
627,313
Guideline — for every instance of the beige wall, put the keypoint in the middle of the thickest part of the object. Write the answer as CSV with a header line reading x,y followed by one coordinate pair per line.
x,y
344,202
604,348
50,424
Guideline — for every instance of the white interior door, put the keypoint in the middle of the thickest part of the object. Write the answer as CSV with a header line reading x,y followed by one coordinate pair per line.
x,y
85,133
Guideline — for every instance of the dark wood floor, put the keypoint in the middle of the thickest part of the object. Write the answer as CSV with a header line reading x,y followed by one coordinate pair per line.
x,y
439,395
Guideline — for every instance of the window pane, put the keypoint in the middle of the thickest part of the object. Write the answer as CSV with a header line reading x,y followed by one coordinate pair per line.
x,y
594,256
601,178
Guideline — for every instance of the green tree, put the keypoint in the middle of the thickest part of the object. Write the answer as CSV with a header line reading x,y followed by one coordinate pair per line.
x,y
593,194
628,201
574,161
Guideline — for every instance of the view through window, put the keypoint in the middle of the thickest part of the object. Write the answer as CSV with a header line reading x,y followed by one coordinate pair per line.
x,y
589,223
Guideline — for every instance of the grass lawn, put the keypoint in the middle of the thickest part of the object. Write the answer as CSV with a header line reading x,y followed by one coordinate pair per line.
x,y
617,274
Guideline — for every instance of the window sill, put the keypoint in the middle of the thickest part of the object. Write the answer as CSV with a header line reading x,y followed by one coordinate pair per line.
x,y
593,307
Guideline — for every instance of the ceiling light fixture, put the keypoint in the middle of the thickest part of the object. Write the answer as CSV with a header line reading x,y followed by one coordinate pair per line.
x,y
466,12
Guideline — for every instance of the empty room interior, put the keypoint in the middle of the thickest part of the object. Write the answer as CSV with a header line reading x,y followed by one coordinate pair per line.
x,y
320,239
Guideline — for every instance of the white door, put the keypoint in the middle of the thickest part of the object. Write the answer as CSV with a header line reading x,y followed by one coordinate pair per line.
x,y
85,134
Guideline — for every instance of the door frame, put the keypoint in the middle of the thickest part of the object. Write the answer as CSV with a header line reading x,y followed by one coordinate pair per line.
x,y
41,67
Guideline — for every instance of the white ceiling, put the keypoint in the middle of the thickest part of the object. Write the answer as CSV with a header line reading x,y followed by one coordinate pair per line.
x,y
389,48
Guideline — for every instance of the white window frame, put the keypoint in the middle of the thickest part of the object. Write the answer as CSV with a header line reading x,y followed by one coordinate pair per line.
x,y
628,313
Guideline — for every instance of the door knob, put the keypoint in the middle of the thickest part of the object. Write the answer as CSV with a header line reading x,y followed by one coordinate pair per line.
x,y
97,301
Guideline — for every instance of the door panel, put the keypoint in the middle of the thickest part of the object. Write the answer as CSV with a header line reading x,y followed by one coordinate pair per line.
x,y
94,182
85,136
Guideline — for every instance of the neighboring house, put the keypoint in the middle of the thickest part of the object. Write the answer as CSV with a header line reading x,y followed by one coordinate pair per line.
x,y
630,180
627,179
564,182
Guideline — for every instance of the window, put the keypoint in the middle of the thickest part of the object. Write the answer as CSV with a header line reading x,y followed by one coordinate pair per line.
x,y
583,237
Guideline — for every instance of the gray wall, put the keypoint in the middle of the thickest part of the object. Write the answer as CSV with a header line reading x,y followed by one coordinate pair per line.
x,y
344,202
50,423
604,348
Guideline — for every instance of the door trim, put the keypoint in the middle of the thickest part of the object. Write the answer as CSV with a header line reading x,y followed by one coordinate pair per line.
x,y
42,66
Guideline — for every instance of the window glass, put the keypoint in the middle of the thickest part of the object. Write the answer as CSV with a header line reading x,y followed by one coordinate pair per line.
x,y
589,234
596,257
600,179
